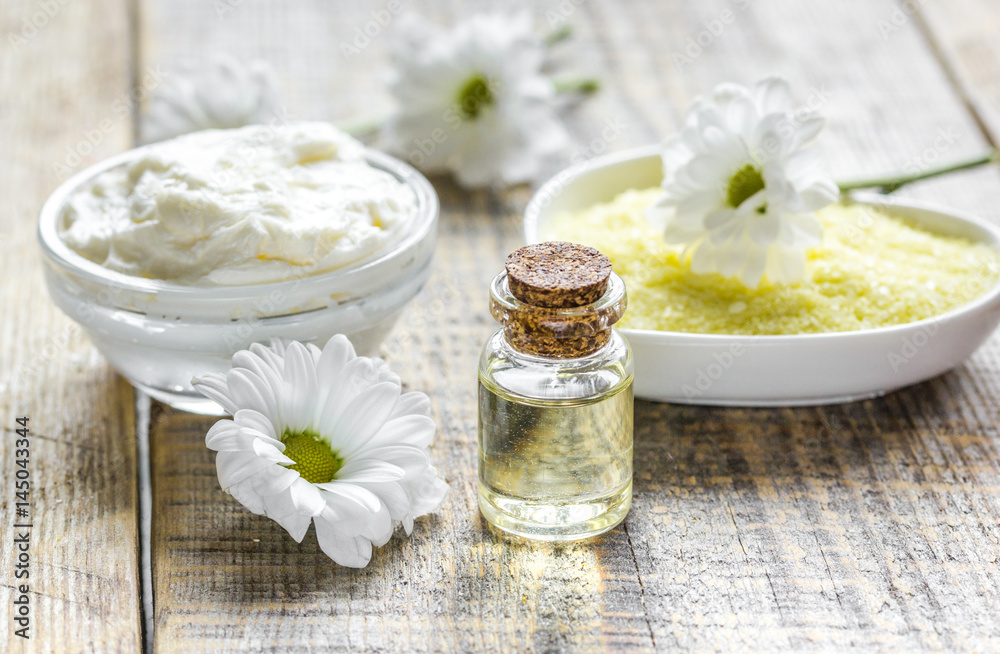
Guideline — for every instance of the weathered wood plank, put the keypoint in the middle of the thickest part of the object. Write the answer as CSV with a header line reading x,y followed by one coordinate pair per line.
x,y
964,32
865,525
64,91
868,525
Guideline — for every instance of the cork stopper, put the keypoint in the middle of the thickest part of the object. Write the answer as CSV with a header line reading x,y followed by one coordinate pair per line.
x,y
557,275
557,300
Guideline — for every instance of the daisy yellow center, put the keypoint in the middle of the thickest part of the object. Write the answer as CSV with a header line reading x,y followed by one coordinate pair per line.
x,y
743,185
313,457
474,96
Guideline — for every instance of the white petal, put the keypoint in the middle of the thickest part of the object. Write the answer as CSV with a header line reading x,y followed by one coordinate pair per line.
x,y
675,154
741,116
245,495
692,209
337,352
763,228
353,552
385,373
224,434
408,457
707,171
803,166
785,265
296,524
413,430
350,518
731,258
235,467
280,509
365,470
753,269
306,497
273,480
802,231
272,356
773,95
414,402
259,366
251,392
379,526
355,377
427,492
227,436
394,496
807,128
703,259
719,218
214,387
819,194
299,394
368,412
353,493
255,420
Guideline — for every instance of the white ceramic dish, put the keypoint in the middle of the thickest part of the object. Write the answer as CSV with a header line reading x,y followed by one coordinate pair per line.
x,y
160,334
779,370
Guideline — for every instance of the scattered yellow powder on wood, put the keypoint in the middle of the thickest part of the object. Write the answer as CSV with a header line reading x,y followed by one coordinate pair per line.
x,y
872,270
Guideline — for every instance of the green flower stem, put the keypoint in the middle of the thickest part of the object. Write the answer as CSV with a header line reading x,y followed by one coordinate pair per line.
x,y
558,34
585,85
890,183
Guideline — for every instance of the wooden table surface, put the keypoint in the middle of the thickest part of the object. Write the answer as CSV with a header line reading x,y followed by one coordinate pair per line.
x,y
866,526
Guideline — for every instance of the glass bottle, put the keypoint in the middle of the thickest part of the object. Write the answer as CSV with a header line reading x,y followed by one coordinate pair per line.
x,y
555,397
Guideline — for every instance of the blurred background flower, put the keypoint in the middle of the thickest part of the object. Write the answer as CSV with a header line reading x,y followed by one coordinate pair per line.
x,y
218,94
472,99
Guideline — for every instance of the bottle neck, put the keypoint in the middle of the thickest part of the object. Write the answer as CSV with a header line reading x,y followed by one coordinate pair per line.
x,y
557,333
527,338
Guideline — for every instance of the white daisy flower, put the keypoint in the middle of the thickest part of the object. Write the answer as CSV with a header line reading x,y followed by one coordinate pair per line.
x,y
218,94
472,99
324,437
739,190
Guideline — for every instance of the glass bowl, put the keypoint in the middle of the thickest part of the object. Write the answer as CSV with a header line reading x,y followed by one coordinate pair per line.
x,y
159,334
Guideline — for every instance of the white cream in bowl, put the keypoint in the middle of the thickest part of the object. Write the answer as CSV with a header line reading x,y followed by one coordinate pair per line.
x,y
171,261
244,206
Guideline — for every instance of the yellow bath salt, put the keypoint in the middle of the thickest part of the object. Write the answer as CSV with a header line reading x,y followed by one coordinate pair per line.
x,y
871,270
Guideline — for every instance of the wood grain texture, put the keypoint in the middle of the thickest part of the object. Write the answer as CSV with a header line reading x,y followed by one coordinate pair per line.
x,y
63,68
873,525
965,34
